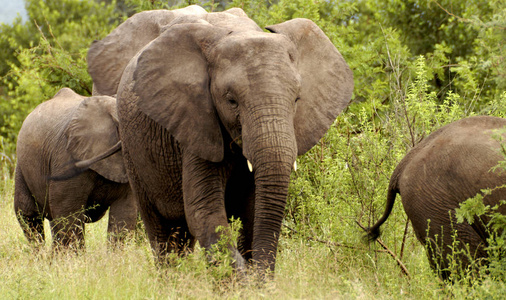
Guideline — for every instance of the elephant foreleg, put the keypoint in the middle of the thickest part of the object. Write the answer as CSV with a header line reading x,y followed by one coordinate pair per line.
x,y
161,210
204,202
67,200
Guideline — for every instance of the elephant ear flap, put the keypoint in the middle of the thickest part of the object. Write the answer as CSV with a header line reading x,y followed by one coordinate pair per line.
x,y
327,81
108,57
172,87
92,130
237,12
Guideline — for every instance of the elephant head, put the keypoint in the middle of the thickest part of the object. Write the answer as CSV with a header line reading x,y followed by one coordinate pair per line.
x,y
215,78
108,57
91,131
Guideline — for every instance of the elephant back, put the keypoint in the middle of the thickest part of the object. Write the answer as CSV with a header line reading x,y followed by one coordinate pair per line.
x,y
44,122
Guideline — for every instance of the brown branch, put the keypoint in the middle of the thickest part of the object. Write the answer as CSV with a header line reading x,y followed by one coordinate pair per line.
x,y
329,243
451,14
404,270
397,74
464,19
404,238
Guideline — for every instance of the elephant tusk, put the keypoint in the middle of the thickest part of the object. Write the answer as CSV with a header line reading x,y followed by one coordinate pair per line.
x,y
295,165
250,166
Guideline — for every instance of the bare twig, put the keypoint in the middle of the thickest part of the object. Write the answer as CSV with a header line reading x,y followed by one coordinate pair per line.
x,y
398,74
404,238
329,243
404,270
451,14
464,19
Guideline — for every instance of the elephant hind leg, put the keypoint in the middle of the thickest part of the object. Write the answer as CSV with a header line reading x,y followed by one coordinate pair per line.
x,y
454,249
167,233
122,217
167,237
436,256
28,214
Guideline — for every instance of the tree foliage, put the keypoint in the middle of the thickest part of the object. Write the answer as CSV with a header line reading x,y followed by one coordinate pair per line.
x,y
47,53
461,41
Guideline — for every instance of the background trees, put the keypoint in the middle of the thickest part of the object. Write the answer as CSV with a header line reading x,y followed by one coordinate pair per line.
x,y
461,42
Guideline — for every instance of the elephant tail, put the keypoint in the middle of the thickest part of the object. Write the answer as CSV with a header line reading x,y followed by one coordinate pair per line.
x,y
373,232
76,168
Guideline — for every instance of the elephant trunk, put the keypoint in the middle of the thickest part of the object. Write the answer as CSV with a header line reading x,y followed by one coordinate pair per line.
x,y
271,147
270,201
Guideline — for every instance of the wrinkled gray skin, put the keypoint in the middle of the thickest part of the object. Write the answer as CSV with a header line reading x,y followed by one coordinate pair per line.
x,y
451,165
203,93
69,128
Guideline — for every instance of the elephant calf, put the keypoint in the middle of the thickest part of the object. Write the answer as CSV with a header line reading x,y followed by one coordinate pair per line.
x,y
451,165
68,128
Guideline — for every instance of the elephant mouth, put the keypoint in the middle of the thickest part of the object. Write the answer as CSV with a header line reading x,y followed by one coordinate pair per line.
x,y
250,165
237,140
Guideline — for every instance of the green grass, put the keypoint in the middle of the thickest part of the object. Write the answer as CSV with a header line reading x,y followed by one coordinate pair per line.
x,y
304,270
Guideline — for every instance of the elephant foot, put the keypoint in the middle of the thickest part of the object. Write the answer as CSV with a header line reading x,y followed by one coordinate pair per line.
x,y
239,263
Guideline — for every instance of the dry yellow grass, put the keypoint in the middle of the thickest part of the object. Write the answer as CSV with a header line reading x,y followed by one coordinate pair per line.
x,y
304,270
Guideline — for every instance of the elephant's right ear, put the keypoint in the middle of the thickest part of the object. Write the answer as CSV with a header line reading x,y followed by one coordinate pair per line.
x,y
173,87
327,81
237,12
108,57
92,130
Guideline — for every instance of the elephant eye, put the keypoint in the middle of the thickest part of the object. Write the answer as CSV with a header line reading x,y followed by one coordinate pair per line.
x,y
233,103
297,99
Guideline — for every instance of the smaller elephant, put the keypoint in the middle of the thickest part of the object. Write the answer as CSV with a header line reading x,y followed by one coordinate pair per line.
x,y
70,128
451,165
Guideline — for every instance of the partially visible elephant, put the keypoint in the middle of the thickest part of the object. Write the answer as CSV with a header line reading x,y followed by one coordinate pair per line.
x,y
451,165
70,128
213,112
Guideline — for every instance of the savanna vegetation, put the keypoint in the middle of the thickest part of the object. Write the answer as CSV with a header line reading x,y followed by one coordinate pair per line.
x,y
418,64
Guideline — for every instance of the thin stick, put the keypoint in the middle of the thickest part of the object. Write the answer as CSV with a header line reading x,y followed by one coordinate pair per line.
x,y
404,270
404,238
464,19
329,243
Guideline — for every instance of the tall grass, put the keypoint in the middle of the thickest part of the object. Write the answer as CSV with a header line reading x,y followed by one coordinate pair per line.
x,y
305,269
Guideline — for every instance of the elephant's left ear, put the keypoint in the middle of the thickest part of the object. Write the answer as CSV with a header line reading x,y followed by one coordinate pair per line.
x,y
327,81
92,130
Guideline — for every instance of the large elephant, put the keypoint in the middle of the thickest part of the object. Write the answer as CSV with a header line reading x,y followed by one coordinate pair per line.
x,y
213,113
451,165
68,128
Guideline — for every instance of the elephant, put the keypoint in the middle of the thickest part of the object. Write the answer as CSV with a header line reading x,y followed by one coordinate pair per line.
x,y
213,112
448,167
67,128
